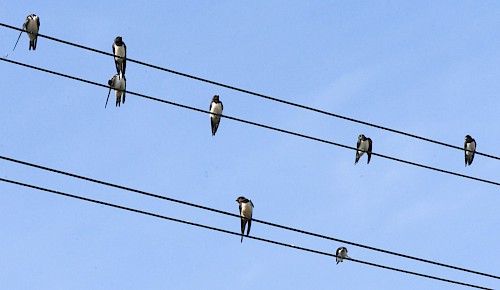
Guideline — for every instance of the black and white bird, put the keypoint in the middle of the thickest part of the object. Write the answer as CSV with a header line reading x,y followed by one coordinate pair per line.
x,y
364,145
246,210
215,108
119,84
120,50
470,149
32,25
341,254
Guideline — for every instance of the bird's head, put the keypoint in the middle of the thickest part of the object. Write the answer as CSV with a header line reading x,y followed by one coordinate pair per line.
x,y
111,80
240,199
342,251
215,98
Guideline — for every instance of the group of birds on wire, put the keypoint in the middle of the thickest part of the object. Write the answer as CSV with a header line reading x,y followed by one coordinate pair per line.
x,y
118,82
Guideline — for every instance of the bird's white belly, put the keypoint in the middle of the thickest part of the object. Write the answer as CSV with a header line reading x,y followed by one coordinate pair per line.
x,y
120,84
32,28
120,51
364,145
246,210
470,147
216,109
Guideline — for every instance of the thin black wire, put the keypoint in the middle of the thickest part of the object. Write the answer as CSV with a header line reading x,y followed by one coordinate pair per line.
x,y
235,233
254,123
253,93
237,216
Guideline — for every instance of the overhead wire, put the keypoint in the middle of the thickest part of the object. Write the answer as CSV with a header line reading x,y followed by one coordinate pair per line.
x,y
255,94
253,123
235,233
284,131
157,196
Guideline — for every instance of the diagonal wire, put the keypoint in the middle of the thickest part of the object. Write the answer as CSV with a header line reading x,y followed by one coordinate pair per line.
x,y
237,234
256,124
237,216
254,93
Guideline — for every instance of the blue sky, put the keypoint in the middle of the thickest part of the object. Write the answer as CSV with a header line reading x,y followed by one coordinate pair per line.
x,y
430,68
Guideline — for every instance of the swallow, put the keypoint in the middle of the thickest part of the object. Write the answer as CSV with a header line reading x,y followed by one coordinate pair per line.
x,y
32,25
119,84
470,149
246,210
215,108
120,50
341,254
364,145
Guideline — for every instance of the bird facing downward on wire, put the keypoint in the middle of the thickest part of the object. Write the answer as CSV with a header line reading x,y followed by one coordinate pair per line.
x,y
341,254
31,25
215,108
364,145
470,149
120,52
246,211
119,84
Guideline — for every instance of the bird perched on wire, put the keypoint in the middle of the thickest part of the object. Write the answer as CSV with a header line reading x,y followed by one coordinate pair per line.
x,y
119,84
364,145
341,254
120,53
215,108
470,149
31,25
246,210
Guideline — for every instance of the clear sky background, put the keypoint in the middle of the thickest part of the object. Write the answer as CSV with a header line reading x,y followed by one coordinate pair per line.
x,y
431,68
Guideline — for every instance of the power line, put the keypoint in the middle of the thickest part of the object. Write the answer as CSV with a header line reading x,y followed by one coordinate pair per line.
x,y
237,216
255,123
296,105
255,94
235,233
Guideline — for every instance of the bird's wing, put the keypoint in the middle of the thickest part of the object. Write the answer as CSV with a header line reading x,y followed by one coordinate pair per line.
x,y
25,24
474,145
249,226
369,153
38,22
125,58
465,151
357,151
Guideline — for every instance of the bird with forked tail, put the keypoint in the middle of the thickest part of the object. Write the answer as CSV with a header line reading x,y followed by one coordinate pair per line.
x,y
364,145
246,211
470,149
215,112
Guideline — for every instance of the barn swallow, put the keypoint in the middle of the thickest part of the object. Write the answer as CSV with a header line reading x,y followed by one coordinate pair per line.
x,y
32,25
246,210
470,149
119,84
120,50
341,254
364,145
215,108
